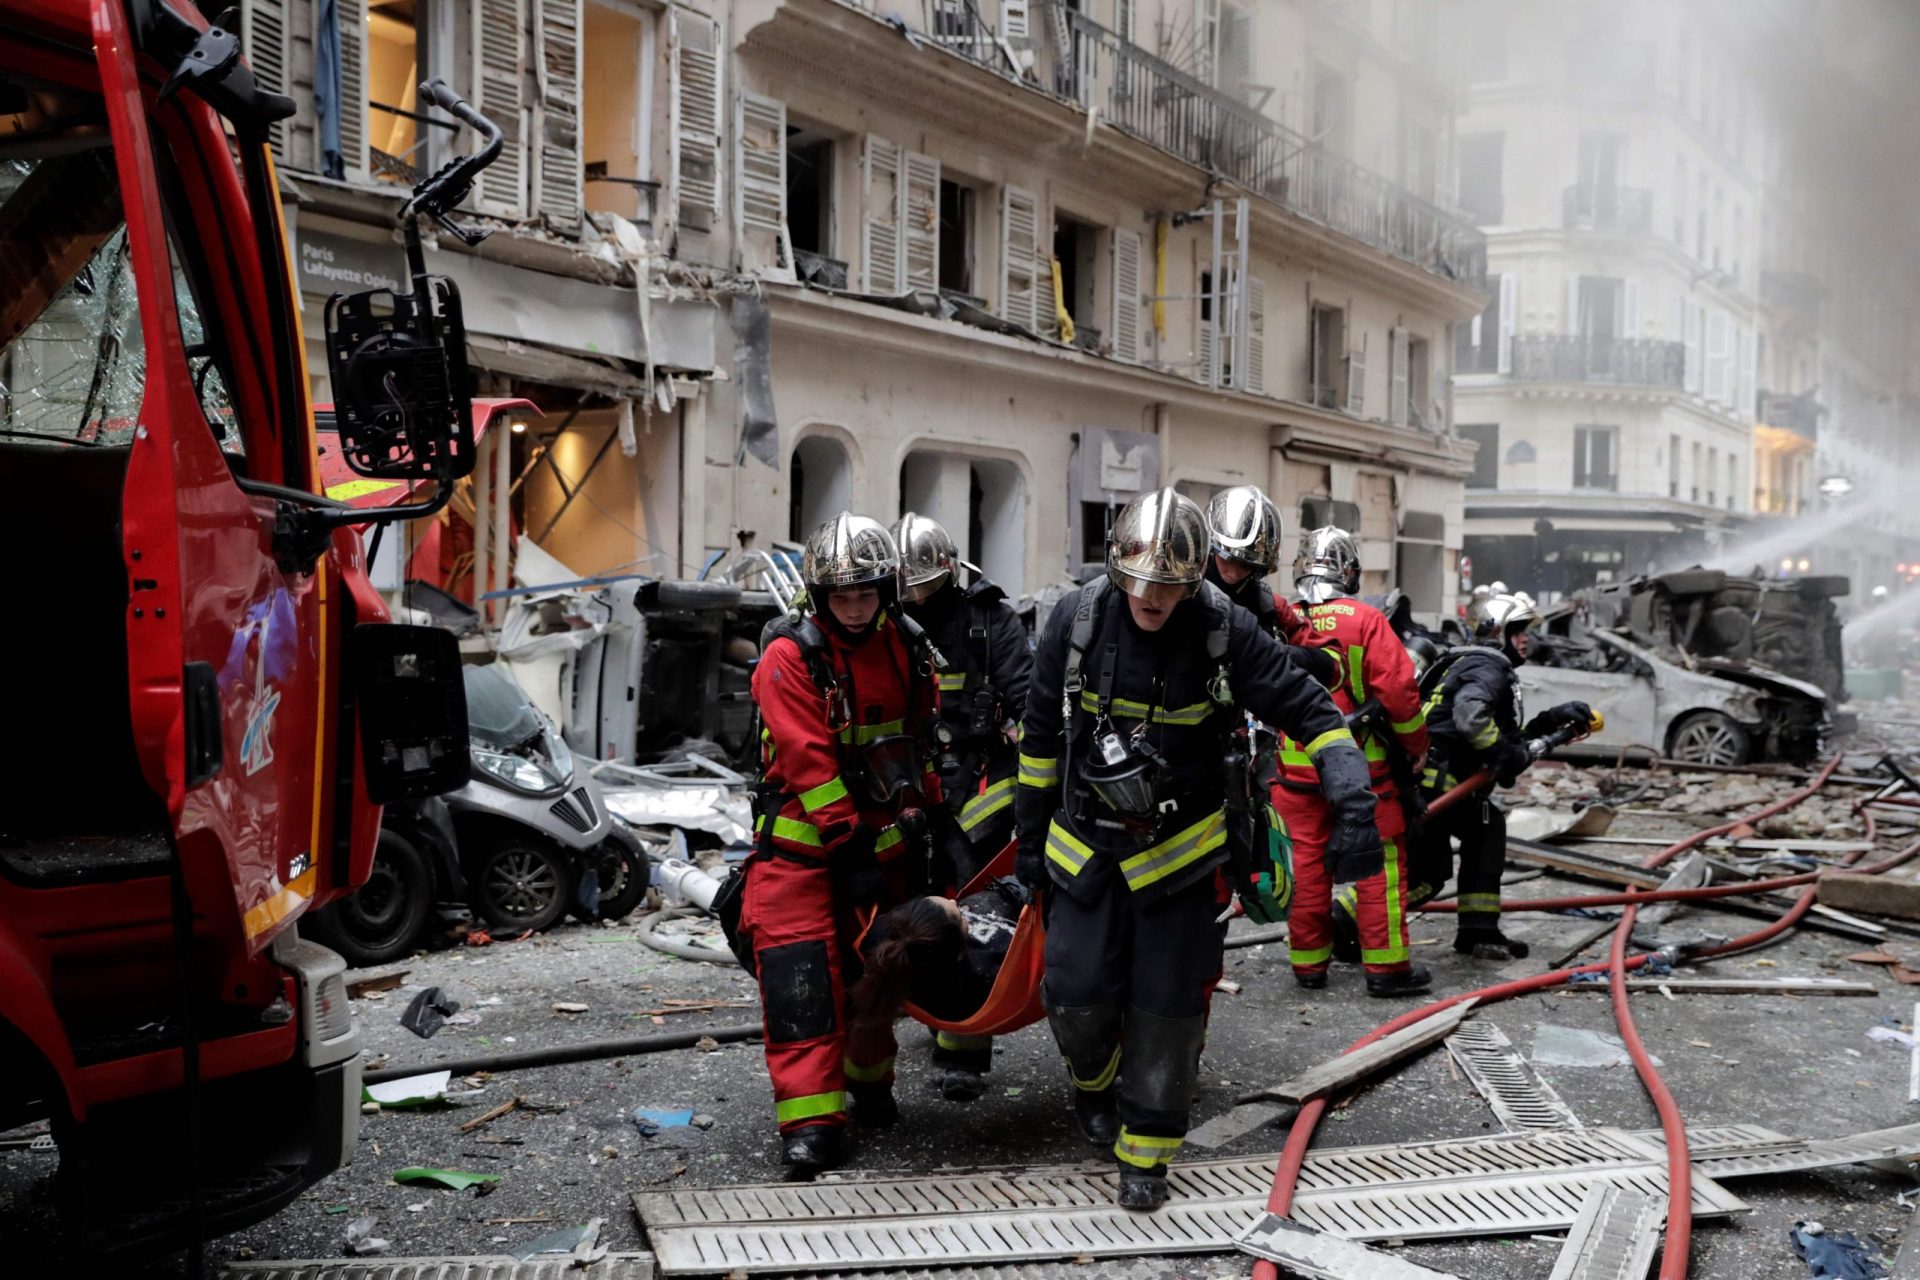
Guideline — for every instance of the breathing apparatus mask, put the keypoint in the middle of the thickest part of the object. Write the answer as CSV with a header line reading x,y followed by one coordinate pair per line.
x,y
890,768
1122,771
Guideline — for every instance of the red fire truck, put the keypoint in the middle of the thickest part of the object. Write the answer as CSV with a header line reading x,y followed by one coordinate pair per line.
x,y
208,703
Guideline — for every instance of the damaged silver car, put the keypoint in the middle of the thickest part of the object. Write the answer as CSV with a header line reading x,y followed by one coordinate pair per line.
x,y
1701,710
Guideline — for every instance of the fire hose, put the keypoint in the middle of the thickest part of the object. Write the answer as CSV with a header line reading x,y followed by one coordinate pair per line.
x,y
1679,1173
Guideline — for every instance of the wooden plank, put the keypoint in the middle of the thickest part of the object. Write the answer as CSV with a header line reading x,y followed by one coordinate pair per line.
x,y
1337,1073
1809,846
1874,895
1741,986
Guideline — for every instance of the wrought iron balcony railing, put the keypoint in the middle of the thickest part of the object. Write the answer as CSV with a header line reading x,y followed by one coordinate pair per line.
x,y
1630,362
1080,62
1588,207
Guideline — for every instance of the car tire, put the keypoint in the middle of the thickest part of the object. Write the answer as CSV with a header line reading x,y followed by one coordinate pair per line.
x,y
1691,582
515,883
382,919
687,594
1709,737
624,875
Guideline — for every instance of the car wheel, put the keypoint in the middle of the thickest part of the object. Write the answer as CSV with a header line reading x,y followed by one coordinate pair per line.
x,y
519,884
380,921
624,877
1708,737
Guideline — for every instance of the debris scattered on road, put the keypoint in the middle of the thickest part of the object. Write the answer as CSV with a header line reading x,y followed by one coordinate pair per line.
x,y
1336,1073
703,1122
429,1012
1835,1255
1227,985
569,1006
451,1179
501,1110
376,982
414,1091
361,1242
1576,1047
707,1044
582,1242
649,1121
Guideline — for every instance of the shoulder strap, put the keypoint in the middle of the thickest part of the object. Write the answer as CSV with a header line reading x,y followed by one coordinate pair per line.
x,y
1219,641
979,627
812,643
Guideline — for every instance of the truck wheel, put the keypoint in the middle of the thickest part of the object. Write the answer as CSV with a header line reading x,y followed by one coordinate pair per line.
x,y
1708,737
383,917
519,884
624,876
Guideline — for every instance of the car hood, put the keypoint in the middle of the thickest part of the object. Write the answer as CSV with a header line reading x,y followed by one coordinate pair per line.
x,y
1758,677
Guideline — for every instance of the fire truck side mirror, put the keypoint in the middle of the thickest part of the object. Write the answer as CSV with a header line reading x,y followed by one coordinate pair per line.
x,y
402,393
412,706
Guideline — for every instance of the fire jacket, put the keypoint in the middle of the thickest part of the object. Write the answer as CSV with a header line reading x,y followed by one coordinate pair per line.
x,y
1189,683
1474,707
815,740
985,646
1376,666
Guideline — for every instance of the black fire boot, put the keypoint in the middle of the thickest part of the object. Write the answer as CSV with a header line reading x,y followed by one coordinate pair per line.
x,y
814,1149
1489,944
1404,982
1098,1116
1346,934
1143,1190
873,1105
1310,979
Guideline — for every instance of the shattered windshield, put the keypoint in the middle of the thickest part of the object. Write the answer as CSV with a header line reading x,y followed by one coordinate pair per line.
x,y
73,362
498,713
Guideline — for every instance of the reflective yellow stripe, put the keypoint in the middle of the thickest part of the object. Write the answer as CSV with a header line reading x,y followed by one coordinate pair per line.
x,y
1419,721
1356,677
1102,1081
867,1075
861,734
811,1107
823,795
1144,1151
1395,952
1346,901
1039,771
1480,903
792,829
887,839
989,802
1486,737
1327,739
961,1044
952,681
1302,959
1176,852
1063,848
1193,714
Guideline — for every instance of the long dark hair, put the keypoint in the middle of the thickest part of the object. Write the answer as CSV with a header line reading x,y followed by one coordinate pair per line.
x,y
917,930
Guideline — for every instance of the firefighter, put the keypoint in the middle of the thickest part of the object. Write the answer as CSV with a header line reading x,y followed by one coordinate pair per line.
x,y
1380,685
1244,539
1474,717
1127,774
983,689
842,815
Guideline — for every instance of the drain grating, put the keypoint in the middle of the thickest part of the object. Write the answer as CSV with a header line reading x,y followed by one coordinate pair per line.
x,y
1767,1152
1520,1099
1613,1239
627,1266
1304,1251
1497,1186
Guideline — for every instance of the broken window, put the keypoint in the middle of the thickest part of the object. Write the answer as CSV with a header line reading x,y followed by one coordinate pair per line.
x,y
394,61
616,142
810,158
1076,247
1486,462
1593,458
1325,366
957,205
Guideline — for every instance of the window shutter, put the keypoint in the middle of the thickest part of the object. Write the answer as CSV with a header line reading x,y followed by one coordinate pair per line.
x,y
1573,305
880,225
1206,27
1439,381
1236,55
1509,319
1690,320
264,40
1397,377
1046,299
1749,376
1204,373
920,216
557,185
499,56
695,72
1630,309
1125,329
1019,223
1357,378
1013,19
1256,335
1719,358
353,87
760,183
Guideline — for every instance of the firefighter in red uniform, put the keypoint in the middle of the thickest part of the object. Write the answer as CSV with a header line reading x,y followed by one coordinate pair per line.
x,y
846,694
1327,574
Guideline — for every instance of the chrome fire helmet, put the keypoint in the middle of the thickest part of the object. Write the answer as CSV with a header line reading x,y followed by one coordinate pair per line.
x,y
1246,527
1158,538
928,558
1327,565
1495,618
850,551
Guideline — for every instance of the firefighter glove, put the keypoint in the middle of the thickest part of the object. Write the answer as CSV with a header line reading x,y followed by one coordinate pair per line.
x,y
1320,663
1353,849
1030,862
1509,759
1568,715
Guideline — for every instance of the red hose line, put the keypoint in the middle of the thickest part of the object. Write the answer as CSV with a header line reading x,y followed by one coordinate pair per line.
x,y
1679,1238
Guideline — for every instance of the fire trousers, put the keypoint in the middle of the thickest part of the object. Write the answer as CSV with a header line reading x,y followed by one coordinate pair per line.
x,y
1127,990
1481,828
803,937
1379,901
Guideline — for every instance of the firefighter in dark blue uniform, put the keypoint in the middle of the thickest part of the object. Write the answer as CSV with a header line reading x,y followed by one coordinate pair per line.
x,y
1129,822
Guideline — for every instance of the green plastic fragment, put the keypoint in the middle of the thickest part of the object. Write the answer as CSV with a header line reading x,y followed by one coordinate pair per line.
x,y
451,1179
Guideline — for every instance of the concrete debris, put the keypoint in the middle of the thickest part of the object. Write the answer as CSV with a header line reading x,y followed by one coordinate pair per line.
x,y
1576,1047
1348,1068
1315,1254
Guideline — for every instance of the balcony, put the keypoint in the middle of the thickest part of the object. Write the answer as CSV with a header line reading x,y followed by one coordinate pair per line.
x,y
1586,207
1799,414
1083,64
1620,362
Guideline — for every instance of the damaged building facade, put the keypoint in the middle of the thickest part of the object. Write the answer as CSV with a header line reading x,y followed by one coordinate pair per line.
x,y
1006,262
